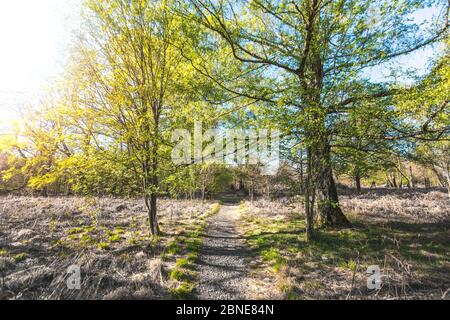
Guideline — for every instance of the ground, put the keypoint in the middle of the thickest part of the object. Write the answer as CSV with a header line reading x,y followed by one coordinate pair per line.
x,y
41,237
207,251
225,264
405,234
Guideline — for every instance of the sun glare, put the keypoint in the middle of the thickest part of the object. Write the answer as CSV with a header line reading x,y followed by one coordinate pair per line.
x,y
33,37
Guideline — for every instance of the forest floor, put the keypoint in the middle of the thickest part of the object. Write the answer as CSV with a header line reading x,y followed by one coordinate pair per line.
x,y
405,233
107,238
248,251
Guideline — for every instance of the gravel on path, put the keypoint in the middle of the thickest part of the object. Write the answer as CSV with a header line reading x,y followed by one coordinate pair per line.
x,y
223,264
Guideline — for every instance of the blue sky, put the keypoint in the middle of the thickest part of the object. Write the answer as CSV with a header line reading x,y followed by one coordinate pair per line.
x,y
35,35
418,60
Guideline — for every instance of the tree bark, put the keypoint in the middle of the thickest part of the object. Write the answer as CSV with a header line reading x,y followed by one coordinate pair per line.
x,y
302,183
411,178
310,73
151,198
358,183
330,214
448,180
427,183
154,195
203,191
153,213
448,185
309,205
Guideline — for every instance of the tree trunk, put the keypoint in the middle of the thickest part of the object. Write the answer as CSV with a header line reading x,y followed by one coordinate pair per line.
x,y
152,209
358,183
151,198
427,183
302,183
439,176
311,75
448,181
394,181
411,178
153,213
154,195
330,214
309,205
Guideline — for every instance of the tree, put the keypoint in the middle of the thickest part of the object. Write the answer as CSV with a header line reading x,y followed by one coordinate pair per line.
x,y
436,156
134,74
312,53
425,107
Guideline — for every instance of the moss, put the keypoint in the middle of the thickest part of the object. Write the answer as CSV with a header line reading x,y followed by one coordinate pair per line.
x,y
20,257
177,274
173,248
272,254
188,244
133,241
182,262
86,238
73,237
183,291
75,230
215,209
114,238
103,246
278,265
119,230
194,245
192,257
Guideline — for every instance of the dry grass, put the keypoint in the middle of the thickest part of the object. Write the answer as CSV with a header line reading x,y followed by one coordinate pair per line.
x,y
107,237
412,206
406,234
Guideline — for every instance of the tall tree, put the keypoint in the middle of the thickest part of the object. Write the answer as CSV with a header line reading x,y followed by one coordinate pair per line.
x,y
135,74
312,54
426,107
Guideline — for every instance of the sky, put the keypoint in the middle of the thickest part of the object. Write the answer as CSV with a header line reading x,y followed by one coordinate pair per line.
x,y
34,40
418,60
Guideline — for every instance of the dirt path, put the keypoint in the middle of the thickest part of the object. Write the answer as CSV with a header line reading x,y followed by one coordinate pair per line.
x,y
224,261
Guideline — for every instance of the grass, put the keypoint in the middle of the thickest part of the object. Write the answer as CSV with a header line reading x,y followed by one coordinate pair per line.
x,y
173,248
412,252
182,292
104,246
192,257
20,257
187,247
182,263
178,274
114,238
94,233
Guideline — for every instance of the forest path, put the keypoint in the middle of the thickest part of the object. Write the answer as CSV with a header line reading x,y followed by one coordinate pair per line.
x,y
224,261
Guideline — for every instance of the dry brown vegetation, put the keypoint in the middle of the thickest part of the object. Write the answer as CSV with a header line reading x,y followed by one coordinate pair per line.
x,y
107,237
405,233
